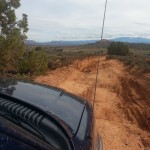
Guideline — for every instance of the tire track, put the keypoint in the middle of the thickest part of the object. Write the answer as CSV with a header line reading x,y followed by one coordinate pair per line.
x,y
122,106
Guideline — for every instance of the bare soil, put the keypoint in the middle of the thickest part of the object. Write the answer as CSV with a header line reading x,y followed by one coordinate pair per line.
x,y
122,105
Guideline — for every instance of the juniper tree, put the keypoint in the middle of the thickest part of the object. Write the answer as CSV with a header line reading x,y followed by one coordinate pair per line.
x,y
118,48
12,35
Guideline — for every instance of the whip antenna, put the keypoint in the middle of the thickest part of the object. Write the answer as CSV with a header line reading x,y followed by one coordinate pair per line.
x,y
101,43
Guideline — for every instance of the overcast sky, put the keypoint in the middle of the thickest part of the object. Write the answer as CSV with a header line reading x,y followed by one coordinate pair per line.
x,y
82,19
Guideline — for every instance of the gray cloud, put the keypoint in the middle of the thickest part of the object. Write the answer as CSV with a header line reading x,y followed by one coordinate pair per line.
x,y
82,19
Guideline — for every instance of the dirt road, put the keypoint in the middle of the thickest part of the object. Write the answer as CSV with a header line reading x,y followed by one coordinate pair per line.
x,y
122,104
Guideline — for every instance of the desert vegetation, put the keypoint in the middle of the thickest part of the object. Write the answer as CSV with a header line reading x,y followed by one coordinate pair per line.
x,y
15,58
134,55
118,48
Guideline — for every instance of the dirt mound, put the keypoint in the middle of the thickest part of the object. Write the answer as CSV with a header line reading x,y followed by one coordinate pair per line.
x,y
122,105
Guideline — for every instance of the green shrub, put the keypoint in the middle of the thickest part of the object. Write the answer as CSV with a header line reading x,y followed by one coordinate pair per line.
x,y
33,63
118,48
54,64
38,48
133,61
12,36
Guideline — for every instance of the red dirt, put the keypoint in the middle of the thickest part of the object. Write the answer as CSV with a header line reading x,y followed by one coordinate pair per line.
x,y
122,103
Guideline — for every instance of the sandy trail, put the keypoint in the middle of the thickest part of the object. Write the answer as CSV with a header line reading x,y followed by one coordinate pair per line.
x,y
122,105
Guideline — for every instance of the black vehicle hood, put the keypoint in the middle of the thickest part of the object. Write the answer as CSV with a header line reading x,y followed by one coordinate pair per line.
x,y
65,106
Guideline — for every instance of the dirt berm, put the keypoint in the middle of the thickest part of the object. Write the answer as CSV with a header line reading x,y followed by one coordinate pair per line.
x,y
122,105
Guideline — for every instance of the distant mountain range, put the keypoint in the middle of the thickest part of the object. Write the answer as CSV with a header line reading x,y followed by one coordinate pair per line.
x,y
59,43
133,40
82,42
